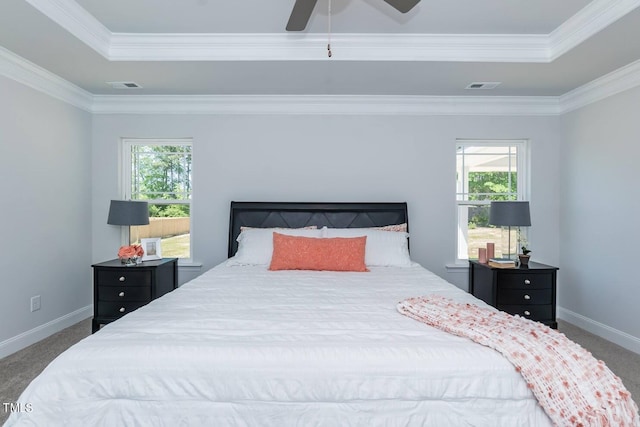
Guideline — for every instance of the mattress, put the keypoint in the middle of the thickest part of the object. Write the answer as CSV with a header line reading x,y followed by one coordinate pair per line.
x,y
241,346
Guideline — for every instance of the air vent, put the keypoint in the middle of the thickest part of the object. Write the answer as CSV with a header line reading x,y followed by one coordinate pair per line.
x,y
483,85
124,85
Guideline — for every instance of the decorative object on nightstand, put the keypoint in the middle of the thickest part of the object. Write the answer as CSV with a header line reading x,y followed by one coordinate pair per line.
x,y
118,290
151,248
491,250
130,255
528,291
524,256
482,255
509,214
502,263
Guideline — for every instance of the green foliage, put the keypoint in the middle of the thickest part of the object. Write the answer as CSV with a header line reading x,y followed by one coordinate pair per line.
x,y
489,186
492,185
168,211
161,172
478,216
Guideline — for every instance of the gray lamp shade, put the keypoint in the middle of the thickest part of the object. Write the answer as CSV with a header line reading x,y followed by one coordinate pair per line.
x,y
510,213
128,212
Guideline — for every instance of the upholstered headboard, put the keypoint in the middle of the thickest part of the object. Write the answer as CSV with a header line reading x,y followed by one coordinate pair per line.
x,y
296,215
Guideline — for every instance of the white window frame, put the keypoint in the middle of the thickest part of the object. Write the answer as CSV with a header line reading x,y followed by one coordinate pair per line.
x,y
522,187
127,144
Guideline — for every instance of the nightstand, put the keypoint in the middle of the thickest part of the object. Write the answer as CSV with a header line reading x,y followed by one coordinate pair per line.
x,y
118,289
527,291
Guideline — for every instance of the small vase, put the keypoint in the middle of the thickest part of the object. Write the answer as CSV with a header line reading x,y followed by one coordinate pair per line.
x,y
491,250
524,259
129,262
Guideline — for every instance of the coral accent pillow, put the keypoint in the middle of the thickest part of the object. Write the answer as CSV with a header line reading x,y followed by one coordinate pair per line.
x,y
311,253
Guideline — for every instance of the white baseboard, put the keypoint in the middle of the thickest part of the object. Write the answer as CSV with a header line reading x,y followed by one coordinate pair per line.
x,y
603,331
41,332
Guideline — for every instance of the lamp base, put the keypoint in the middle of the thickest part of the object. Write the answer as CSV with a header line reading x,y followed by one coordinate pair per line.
x,y
508,244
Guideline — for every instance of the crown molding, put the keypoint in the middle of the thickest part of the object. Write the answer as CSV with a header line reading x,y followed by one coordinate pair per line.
x,y
348,47
620,80
77,21
593,18
325,105
20,70
308,46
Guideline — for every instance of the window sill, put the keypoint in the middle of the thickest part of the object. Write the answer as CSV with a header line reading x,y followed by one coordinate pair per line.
x,y
457,267
189,264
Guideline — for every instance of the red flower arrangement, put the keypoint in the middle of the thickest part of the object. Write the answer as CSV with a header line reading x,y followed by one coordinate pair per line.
x,y
130,254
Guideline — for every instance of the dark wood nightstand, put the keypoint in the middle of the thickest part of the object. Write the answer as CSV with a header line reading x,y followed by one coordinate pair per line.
x,y
118,290
527,291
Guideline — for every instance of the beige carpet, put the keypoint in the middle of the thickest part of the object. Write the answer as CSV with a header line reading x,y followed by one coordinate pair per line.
x,y
17,370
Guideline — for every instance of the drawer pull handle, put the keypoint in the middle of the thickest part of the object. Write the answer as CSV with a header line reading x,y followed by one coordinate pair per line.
x,y
122,279
527,313
121,294
527,281
527,297
122,309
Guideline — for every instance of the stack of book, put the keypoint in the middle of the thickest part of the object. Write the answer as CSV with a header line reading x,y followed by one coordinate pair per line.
x,y
502,263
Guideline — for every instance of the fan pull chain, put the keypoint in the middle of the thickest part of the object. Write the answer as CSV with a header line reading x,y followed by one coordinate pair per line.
x,y
329,30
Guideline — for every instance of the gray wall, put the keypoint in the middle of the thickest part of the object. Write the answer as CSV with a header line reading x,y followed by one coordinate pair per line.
x,y
45,155
329,158
599,217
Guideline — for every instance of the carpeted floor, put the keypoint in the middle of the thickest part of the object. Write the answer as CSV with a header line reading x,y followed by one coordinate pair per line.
x,y
18,369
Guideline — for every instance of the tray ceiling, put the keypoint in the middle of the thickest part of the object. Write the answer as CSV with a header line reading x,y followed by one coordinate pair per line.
x,y
207,47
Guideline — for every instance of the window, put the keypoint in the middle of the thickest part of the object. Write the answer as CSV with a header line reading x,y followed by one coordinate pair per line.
x,y
159,172
486,171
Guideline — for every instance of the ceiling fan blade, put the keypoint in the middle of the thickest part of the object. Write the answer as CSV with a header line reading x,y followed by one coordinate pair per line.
x,y
300,15
403,6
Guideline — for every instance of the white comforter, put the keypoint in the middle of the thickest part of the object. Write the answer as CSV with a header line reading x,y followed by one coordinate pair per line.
x,y
245,346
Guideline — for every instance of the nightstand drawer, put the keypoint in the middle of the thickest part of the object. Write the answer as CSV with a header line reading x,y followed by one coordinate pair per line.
x,y
533,312
115,310
119,277
524,280
124,293
524,296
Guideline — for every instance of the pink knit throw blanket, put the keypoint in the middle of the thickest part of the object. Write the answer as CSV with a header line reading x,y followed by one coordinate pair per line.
x,y
573,388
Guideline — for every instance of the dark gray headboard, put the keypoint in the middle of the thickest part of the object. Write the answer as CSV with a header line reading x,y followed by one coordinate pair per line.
x,y
296,215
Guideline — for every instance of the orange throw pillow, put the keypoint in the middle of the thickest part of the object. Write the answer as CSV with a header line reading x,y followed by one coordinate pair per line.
x,y
310,253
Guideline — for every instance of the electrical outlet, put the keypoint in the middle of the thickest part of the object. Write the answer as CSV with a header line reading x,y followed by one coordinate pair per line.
x,y
35,303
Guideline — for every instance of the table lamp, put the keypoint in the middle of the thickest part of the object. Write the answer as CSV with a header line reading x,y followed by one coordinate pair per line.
x,y
509,214
128,212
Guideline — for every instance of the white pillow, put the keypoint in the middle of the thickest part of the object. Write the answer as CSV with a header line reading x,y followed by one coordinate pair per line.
x,y
384,248
255,245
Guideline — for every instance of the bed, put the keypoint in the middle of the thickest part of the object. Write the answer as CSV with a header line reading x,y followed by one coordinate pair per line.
x,y
242,345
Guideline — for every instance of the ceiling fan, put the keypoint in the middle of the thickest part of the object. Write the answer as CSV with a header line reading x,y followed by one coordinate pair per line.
x,y
302,11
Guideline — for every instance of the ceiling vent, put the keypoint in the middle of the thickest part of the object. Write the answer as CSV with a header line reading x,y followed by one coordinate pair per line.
x,y
124,85
483,85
